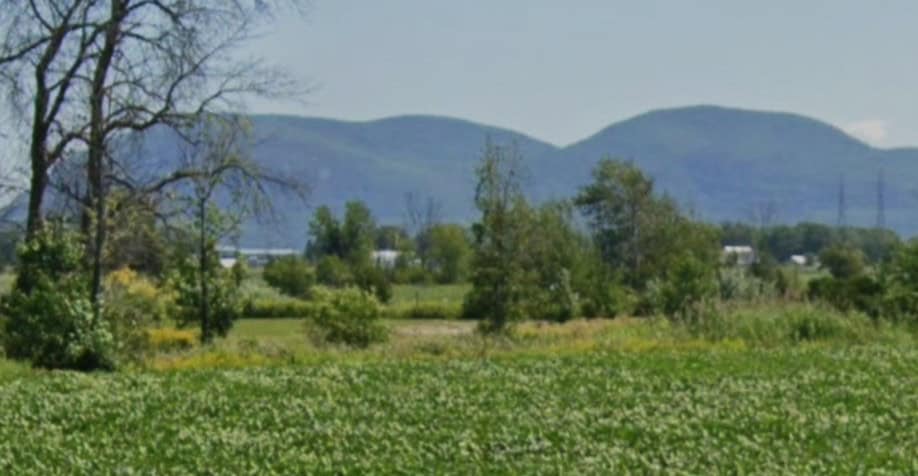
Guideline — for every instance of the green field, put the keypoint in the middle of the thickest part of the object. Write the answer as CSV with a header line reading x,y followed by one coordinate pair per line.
x,y
802,411
773,388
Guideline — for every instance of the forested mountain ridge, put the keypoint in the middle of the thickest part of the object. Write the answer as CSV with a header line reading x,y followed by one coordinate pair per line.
x,y
726,164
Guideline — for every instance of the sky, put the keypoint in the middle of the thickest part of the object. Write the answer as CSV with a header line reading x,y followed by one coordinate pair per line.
x,y
561,71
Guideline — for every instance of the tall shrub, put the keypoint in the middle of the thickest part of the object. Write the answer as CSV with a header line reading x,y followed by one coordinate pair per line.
x,y
290,275
48,318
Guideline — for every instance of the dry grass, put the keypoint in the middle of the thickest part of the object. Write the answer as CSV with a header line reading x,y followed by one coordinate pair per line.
x,y
266,342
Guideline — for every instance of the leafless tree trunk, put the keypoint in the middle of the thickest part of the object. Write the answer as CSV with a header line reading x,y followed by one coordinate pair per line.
x,y
421,217
42,55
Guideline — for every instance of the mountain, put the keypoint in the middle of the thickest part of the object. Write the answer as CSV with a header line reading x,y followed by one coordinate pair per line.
x,y
725,163
374,161
722,163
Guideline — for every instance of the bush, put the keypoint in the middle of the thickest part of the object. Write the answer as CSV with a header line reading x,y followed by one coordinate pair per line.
x,y
688,283
900,301
861,293
843,262
608,299
132,304
289,275
49,320
349,316
129,292
170,340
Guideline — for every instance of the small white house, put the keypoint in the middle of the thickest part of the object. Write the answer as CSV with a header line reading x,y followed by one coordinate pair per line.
x,y
741,255
799,260
386,258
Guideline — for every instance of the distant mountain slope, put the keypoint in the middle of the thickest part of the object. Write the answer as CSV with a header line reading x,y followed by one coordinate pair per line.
x,y
724,162
377,162
721,162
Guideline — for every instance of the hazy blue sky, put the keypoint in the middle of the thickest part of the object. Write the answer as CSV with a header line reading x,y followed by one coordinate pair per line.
x,y
561,71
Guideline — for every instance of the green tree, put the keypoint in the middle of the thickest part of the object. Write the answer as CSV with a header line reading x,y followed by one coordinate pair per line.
x,y
358,233
559,258
343,250
205,294
618,205
499,278
449,253
637,232
325,235
215,159
351,240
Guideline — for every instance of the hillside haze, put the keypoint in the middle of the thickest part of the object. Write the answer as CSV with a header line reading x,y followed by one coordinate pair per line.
x,y
722,163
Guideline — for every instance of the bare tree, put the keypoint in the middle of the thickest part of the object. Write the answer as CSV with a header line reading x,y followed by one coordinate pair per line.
x,y
42,56
422,216
168,63
97,70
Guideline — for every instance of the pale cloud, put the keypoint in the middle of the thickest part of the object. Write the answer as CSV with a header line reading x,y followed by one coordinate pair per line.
x,y
871,131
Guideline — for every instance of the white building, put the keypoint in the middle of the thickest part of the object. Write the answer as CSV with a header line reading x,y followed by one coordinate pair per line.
x,y
254,256
227,262
741,255
385,258
799,260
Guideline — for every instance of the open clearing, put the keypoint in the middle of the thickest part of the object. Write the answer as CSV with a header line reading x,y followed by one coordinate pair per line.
x,y
811,409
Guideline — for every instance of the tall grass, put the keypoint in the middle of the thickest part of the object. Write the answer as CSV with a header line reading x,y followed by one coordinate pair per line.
x,y
788,323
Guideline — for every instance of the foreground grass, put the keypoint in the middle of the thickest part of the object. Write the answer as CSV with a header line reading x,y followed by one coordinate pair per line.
x,y
11,370
788,411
